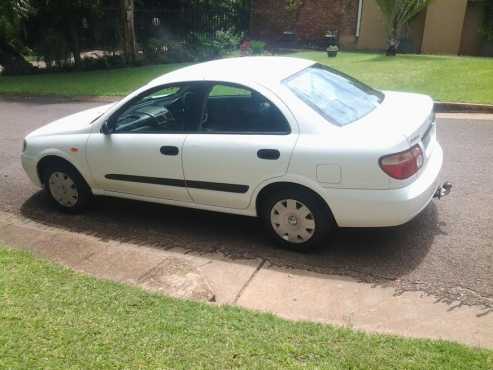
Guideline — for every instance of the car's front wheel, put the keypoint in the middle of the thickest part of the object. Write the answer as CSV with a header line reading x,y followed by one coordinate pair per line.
x,y
297,219
66,188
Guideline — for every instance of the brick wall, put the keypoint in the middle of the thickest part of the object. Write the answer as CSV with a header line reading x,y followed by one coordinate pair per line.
x,y
270,18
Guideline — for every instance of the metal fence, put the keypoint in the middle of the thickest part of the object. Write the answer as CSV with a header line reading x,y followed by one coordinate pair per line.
x,y
180,23
170,24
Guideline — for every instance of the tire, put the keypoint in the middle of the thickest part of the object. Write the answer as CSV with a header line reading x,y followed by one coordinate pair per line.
x,y
66,188
297,219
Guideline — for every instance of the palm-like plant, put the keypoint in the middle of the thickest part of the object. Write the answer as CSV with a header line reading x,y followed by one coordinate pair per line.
x,y
397,14
487,28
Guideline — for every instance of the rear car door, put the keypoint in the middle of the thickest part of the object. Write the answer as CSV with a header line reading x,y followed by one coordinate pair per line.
x,y
244,139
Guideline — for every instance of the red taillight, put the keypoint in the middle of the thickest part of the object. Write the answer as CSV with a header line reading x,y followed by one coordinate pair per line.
x,y
404,164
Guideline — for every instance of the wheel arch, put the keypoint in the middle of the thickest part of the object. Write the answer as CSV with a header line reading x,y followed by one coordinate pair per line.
x,y
52,159
275,186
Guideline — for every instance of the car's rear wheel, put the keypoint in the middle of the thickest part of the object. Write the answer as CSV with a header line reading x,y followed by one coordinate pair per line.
x,y
66,188
297,219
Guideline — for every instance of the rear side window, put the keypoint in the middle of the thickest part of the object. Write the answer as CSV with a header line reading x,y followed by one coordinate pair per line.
x,y
226,90
336,96
236,109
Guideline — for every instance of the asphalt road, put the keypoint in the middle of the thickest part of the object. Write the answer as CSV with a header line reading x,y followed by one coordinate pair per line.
x,y
447,251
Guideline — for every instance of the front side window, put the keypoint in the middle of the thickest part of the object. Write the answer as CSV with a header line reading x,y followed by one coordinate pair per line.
x,y
233,108
161,110
336,96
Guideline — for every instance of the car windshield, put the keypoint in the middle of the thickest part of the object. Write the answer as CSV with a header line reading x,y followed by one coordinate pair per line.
x,y
339,98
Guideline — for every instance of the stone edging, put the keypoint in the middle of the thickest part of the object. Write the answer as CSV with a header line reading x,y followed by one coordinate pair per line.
x,y
448,107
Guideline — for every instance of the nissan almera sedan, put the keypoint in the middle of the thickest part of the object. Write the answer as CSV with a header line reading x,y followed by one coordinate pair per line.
x,y
298,144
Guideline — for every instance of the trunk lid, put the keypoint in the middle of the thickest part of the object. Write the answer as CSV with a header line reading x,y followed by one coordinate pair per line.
x,y
408,114
402,121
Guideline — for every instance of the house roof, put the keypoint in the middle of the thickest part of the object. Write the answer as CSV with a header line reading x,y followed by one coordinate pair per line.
x,y
252,69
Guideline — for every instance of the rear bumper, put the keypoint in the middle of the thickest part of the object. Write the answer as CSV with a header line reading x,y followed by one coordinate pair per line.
x,y
380,208
30,167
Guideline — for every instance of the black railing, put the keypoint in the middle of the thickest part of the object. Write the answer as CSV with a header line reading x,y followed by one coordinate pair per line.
x,y
172,24
179,23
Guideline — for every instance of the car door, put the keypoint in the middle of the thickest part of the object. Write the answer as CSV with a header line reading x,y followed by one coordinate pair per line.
x,y
142,152
244,139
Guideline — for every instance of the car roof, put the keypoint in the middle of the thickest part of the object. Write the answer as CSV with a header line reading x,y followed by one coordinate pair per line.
x,y
262,70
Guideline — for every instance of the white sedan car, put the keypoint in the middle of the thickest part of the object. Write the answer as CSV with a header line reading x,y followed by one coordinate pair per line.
x,y
302,146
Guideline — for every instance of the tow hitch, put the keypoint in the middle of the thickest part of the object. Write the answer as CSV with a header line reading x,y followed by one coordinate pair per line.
x,y
443,190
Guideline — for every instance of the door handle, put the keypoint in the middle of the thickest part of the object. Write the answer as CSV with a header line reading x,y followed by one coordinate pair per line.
x,y
169,150
270,154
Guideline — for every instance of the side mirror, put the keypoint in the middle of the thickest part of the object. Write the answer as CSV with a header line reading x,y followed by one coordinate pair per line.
x,y
105,129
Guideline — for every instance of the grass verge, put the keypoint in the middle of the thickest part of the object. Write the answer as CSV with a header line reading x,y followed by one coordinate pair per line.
x,y
51,317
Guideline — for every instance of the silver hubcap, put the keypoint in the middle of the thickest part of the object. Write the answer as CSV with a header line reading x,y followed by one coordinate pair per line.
x,y
292,221
63,189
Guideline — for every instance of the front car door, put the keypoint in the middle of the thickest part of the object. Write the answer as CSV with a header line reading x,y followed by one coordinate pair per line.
x,y
142,154
244,138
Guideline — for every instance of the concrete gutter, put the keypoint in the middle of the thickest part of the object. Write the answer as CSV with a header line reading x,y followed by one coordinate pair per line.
x,y
467,116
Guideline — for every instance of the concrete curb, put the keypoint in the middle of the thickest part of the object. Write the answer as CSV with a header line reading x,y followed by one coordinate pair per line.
x,y
466,116
448,107
254,284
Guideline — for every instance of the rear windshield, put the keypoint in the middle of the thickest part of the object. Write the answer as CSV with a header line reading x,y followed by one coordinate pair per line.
x,y
339,98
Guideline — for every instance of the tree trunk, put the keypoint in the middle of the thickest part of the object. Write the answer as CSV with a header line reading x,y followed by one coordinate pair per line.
x,y
393,43
12,61
391,51
128,31
75,42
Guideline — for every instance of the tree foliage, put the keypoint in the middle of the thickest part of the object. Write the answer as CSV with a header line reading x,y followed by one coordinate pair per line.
x,y
57,30
399,13
61,22
12,12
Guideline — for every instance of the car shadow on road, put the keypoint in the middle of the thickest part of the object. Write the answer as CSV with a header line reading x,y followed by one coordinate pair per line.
x,y
372,255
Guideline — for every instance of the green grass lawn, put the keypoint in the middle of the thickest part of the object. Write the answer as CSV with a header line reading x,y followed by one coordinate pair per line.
x,y
112,82
445,78
51,317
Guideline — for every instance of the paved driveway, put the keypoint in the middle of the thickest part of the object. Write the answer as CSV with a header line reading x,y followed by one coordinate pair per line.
x,y
447,251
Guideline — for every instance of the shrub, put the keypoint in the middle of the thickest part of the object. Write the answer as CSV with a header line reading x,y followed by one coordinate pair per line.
x,y
178,52
54,49
201,47
228,40
206,51
104,62
258,47
90,63
154,49
204,48
114,61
